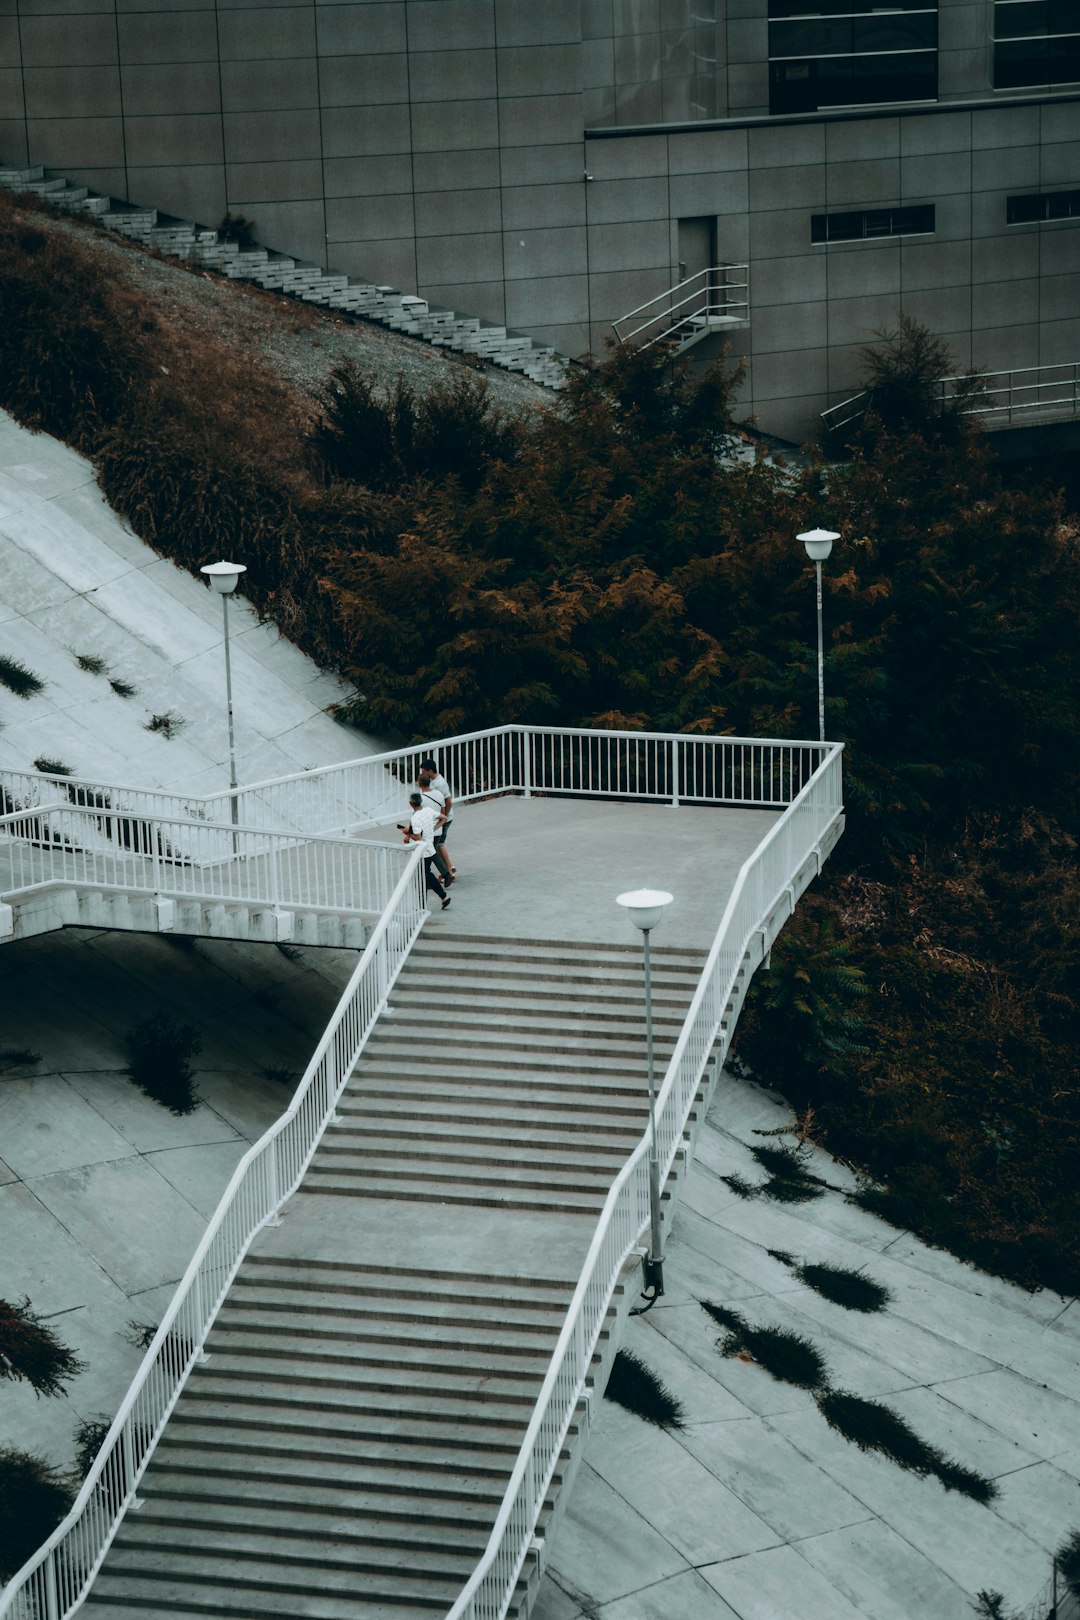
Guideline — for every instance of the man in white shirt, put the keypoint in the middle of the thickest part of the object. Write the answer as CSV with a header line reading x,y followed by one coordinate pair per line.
x,y
421,830
435,788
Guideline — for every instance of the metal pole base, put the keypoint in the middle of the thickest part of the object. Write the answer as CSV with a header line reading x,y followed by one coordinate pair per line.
x,y
653,1276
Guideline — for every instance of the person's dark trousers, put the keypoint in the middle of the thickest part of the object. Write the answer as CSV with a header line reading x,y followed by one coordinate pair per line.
x,y
431,882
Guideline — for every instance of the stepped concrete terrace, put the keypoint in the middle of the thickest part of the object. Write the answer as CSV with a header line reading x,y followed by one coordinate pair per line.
x,y
344,1449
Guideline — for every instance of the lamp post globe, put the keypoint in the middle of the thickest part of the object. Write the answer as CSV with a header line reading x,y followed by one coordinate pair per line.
x,y
223,577
645,909
818,544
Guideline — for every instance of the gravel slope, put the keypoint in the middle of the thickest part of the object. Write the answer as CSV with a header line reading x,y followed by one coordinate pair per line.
x,y
300,342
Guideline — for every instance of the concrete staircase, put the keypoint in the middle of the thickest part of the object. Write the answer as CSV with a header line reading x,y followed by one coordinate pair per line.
x,y
402,312
506,1075
343,1453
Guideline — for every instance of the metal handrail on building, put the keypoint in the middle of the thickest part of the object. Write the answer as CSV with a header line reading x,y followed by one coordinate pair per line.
x,y
1003,397
802,778
707,301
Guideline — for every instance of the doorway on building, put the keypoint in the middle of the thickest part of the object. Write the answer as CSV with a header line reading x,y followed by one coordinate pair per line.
x,y
697,245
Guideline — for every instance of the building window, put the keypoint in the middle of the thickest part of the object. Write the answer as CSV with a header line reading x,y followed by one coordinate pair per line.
x,y
1036,42
837,53
872,222
1042,205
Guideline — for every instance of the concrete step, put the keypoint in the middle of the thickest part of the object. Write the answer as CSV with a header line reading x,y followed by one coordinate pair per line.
x,y
310,1356
243,1517
344,1454
242,1546
405,1281
366,1381
497,1006
484,1121
476,1138
583,1062
459,1436
459,1312
444,1160
506,1084
309,1500
171,1594
333,1469
330,1404
563,1199
360,1328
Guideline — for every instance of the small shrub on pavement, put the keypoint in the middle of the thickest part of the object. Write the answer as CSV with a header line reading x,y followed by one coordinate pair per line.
x,y
160,1052
786,1355
34,1497
873,1426
18,679
30,1351
634,1385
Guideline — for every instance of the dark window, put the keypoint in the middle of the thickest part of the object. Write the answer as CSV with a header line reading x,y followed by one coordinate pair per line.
x,y
847,53
1042,205
872,222
1036,42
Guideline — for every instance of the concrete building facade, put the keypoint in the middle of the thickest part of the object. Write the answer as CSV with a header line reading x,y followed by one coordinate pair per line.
x,y
552,164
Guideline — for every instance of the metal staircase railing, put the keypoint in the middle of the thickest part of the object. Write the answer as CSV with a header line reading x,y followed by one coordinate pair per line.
x,y
681,315
801,778
1004,399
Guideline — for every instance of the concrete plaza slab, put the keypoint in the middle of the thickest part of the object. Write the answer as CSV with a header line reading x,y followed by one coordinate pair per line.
x,y
978,1367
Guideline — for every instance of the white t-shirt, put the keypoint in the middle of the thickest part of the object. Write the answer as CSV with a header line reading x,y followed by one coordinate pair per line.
x,y
439,784
434,800
423,822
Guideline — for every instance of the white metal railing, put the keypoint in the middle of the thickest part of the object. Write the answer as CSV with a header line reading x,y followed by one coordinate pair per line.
x,y
705,302
53,1583
759,887
1004,398
801,778
59,845
1016,396
656,767
368,792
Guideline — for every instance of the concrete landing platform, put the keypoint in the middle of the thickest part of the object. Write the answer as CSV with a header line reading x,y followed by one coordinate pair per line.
x,y
547,868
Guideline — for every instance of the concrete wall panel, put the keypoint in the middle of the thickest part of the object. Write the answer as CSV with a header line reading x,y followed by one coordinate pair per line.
x,y
450,25
151,141
190,87
534,207
363,81
458,213
369,219
182,36
72,93
375,177
82,40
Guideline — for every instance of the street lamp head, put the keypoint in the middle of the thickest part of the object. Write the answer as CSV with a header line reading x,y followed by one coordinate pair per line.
x,y
818,543
644,907
224,575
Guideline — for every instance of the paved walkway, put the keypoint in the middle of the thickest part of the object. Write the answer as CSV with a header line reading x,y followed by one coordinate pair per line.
x,y
757,1510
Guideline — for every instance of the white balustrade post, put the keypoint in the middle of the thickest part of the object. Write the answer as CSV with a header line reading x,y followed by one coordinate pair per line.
x,y
128,1454
273,1188
52,1602
526,761
676,764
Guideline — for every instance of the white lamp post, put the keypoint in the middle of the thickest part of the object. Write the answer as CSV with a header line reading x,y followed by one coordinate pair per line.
x,y
645,908
223,577
818,544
